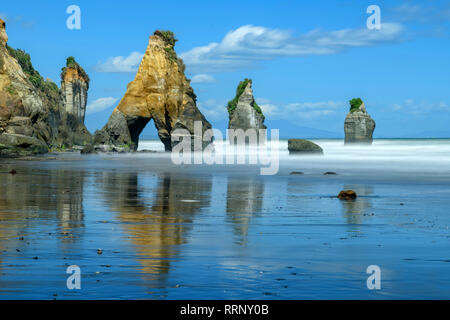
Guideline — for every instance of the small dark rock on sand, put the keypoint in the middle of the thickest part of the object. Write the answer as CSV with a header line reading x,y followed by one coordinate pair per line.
x,y
347,195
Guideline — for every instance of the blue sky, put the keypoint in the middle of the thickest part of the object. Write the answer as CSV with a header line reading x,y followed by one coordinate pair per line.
x,y
306,58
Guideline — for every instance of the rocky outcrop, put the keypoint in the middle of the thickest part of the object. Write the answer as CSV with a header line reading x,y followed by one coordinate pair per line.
x,y
160,91
303,146
31,108
243,111
358,126
347,195
74,88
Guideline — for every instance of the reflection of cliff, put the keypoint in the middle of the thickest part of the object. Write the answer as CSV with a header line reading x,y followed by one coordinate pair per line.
x,y
32,194
354,210
156,219
244,198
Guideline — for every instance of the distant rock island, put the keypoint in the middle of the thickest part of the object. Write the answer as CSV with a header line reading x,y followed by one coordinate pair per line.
x,y
160,91
35,115
302,146
243,111
358,126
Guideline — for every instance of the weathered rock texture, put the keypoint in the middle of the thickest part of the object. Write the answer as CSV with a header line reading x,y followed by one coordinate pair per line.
x,y
303,146
243,111
74,88
30,107
160,91
359,126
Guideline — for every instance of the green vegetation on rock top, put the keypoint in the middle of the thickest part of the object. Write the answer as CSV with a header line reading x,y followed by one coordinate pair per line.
x,y
47,87
355,104
170,40
167,35
232,104
71,63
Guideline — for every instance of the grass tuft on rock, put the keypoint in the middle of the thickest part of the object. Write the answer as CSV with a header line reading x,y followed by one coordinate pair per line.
x,y
72,64
232,104
355,104
167,35
47,88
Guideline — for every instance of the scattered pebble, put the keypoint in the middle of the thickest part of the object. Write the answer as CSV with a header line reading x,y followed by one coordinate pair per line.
x,y
347,195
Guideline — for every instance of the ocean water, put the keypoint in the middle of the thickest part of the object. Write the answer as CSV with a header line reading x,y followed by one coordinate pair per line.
x,y
202,231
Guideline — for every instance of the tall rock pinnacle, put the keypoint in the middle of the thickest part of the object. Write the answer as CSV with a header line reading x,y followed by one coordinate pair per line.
x,y
358,126
243,111
74,87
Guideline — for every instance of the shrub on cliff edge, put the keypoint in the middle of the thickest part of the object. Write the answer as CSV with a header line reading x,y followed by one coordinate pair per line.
x,y
355,104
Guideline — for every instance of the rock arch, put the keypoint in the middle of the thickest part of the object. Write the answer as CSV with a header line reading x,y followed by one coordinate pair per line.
x,y
160,92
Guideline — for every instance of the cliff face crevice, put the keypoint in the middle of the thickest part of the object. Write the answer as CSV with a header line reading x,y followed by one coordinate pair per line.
x,y
160,92
358,125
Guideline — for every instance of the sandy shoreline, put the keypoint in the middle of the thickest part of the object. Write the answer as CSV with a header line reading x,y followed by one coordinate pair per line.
x,y
217,232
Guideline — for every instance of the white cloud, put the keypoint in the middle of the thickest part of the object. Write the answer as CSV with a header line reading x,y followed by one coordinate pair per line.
x,y
202,78
269,109
213,109
420,107
121,64
100,104
305,110
252,43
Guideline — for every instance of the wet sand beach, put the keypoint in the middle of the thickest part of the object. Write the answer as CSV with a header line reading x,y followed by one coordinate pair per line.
x,y
226,232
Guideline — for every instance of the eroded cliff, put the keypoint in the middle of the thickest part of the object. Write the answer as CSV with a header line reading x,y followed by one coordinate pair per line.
x,y
31,109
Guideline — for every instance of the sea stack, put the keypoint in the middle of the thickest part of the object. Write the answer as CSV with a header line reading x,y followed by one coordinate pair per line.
x,y
358,126
74,88
160,91
243,111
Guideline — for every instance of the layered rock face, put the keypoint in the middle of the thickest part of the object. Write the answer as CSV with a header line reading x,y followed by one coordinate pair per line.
x,y
359,126
243,111
160,91
31,108
74,88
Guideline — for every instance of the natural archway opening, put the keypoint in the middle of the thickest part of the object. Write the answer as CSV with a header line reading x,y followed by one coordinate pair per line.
x,y
145,136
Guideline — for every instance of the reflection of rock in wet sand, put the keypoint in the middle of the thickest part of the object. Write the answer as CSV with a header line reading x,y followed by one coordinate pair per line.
x,y
244,198
32,194
354,210
156,219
